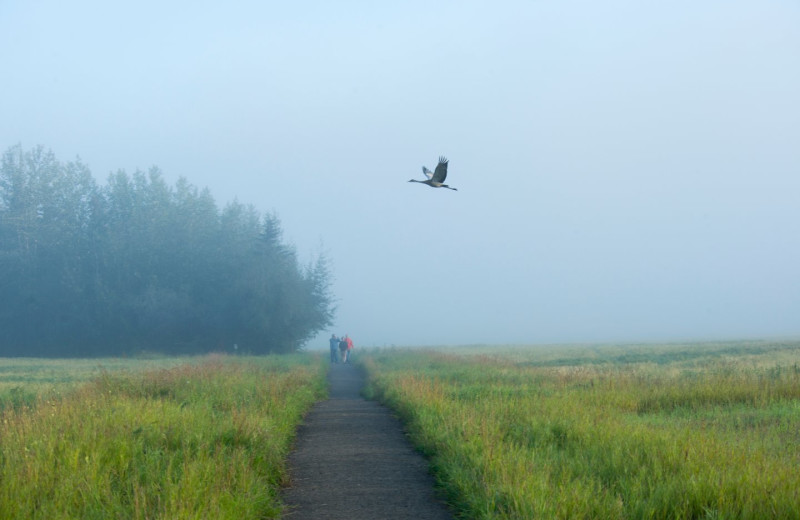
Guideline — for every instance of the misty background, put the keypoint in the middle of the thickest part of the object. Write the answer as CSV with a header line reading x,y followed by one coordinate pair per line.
x,y
625,171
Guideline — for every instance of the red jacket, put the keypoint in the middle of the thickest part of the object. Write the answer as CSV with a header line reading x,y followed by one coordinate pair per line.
x,y
349,342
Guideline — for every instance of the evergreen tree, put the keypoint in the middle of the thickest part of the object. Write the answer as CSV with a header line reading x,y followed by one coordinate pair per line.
x,y
140,264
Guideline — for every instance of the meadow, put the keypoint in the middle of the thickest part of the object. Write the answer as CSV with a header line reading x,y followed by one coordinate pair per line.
x,y
634,431
680,431
203,437
23,381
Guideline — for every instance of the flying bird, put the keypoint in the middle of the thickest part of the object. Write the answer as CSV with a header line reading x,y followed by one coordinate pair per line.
x,y
436,177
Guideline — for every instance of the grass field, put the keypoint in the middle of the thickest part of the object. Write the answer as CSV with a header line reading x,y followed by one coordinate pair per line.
x,y
25,380
195,438
671,431
636,431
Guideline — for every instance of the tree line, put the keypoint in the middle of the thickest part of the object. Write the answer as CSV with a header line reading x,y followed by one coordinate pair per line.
x,y
138,264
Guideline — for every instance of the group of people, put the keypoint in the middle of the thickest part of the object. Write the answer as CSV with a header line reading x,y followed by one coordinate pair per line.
x,y
340,348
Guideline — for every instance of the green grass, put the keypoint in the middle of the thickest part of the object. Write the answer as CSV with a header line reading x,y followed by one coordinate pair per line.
x,y
670,431
206,439
24,380
601,431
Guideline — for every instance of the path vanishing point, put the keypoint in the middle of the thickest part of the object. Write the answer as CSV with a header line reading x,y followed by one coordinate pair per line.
x,y
353,461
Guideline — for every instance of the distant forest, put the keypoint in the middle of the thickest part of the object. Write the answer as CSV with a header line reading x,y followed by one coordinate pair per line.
x,y
137,264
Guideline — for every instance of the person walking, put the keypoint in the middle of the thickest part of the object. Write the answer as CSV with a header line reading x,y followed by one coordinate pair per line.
x,y
349,346
334,341
343,349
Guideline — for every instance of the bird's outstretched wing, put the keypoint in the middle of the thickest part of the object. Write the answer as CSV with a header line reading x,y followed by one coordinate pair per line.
x,y
440,174
427,172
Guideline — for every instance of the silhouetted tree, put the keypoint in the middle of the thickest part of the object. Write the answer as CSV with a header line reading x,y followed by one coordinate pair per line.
x,y
139,264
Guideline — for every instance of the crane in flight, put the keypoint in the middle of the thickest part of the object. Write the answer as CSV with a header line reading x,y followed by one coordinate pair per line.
x,y
436,178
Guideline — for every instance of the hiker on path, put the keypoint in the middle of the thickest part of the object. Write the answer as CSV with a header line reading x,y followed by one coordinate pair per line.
x,y
343,349
349,347
334,348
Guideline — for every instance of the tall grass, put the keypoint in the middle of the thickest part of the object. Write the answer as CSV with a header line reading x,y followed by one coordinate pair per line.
x,y
202,440
671,432
24,380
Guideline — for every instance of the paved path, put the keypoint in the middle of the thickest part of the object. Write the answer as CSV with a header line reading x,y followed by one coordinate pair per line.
x,y
352,461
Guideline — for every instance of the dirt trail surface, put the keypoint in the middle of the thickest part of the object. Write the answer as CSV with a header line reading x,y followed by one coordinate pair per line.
x,y
352,461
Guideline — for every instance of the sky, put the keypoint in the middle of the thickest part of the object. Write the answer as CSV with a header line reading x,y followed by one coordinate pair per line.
x,y
626,171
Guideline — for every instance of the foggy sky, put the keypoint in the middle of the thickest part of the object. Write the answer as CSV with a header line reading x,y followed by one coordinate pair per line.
x,y
626,170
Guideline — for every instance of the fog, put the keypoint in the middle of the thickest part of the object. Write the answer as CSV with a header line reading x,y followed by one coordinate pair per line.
x,y
626,171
